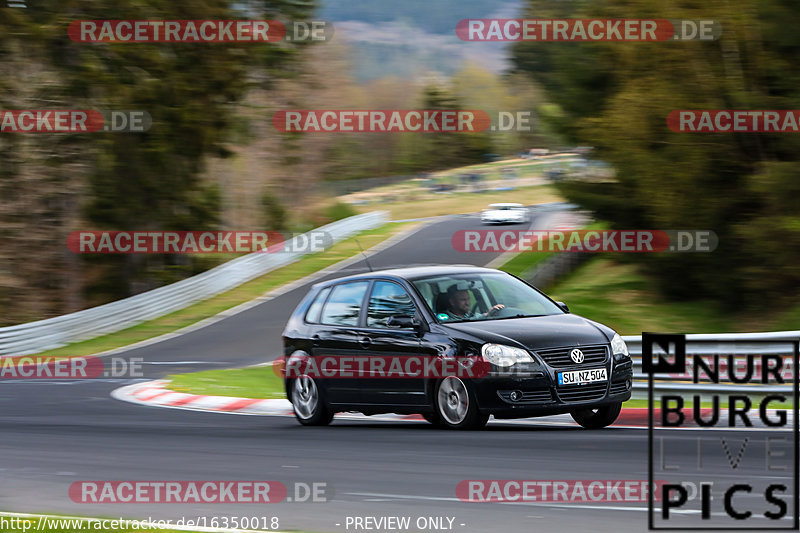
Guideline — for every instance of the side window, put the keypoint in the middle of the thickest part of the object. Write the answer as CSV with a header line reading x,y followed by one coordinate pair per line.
x,y
344,304
388,299
312,315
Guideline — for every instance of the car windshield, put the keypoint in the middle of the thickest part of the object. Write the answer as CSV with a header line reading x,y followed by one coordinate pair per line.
x,y
482,296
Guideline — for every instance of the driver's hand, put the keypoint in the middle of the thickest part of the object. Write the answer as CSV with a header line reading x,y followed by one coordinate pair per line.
x,y
496,308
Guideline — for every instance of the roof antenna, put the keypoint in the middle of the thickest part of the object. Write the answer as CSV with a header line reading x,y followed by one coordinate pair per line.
x,y
365,255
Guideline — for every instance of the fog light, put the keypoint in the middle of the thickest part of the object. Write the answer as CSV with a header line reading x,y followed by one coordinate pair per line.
x,y
515,395
628,384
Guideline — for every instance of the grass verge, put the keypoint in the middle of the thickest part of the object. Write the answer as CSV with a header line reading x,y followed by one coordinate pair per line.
x,y
524,262
420,203
621,297
252,382
241,294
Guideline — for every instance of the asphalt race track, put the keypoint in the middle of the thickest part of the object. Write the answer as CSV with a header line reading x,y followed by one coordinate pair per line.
x,y
57,433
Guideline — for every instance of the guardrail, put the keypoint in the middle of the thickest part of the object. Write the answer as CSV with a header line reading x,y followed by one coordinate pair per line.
x,y
775,342
34,337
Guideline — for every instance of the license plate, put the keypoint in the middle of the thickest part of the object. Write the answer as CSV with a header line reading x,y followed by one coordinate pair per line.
x,y
576,377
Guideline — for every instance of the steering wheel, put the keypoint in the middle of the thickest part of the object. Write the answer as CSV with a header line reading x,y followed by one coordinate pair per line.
x,y
507,311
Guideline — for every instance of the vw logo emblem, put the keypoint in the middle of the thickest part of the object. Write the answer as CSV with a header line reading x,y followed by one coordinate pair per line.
x,y
576,355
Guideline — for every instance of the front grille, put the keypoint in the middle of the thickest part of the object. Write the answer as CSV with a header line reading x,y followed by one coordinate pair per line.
x,y
618,388
583,393
529,397
559,357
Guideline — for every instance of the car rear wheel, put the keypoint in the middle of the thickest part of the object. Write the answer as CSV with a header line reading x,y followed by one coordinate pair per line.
x,y
456,406
598,417
308,403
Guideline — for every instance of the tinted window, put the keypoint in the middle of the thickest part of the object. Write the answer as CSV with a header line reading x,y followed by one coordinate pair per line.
x,y
312,315
388,299
344,303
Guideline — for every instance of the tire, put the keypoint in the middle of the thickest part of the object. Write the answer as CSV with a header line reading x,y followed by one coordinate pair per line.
x,y
433,418
308,403
597,418
456,406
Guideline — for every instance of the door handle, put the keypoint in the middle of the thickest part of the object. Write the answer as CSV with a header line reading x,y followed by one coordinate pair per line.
x,y
365,342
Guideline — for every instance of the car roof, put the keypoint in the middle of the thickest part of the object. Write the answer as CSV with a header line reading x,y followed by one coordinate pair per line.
x,y
411,273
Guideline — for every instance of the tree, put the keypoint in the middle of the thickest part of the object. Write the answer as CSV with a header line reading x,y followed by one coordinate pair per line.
x,y
616,96
142,181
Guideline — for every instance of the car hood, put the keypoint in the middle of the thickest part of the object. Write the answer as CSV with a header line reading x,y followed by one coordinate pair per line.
x,y
535,333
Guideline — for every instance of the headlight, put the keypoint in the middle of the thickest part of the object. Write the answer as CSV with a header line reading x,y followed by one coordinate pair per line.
x,y
618,347
501,355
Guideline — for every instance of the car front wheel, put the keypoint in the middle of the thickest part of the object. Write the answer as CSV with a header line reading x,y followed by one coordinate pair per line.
x,y
308,403
598,417
433,418
456,406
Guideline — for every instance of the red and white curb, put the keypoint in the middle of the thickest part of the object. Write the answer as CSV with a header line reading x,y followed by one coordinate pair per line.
x,y
156,394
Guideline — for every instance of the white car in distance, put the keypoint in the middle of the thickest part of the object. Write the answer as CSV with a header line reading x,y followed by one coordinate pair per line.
x,y
508,213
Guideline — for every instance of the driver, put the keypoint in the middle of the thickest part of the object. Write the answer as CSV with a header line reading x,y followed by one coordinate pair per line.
x,y
458,307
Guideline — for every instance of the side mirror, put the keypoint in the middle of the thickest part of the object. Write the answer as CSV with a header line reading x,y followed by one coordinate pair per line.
x,y
406,322
563,306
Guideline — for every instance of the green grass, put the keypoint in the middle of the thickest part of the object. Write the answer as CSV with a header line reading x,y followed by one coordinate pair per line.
x,y
621,297
421,203
241,294
252,382
523,263
524,168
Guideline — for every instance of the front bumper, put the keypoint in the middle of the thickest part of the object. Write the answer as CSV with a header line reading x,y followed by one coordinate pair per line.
x,y
535,393
502,220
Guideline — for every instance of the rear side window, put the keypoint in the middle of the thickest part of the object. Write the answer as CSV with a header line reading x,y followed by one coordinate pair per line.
x,y
388,299
312,315
344,304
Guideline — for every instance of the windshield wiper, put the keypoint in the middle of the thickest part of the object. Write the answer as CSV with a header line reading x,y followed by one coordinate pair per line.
x,y
518,315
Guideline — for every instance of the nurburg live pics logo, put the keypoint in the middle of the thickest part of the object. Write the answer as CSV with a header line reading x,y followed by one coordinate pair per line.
x,y
753,453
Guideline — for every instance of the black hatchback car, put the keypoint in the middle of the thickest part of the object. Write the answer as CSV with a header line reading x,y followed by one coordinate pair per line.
x,y
455,344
